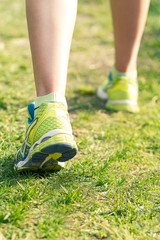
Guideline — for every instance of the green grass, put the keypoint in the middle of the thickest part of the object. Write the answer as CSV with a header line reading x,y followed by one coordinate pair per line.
x,y
111,189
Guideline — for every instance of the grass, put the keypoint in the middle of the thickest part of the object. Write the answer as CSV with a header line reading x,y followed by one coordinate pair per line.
x,y
111,189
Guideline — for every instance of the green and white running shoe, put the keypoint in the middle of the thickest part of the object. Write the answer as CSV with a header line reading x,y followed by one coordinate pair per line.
x,y
120,92
48,140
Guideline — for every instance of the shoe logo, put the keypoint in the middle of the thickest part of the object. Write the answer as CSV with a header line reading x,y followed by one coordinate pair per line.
x,y
31,126
26,143
25,149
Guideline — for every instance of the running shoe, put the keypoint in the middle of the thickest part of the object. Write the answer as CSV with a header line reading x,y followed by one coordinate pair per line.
x,y
49,142
120,93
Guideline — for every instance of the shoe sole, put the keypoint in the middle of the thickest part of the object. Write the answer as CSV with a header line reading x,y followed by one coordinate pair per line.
x,y
48,156
122,107
54,167
60,152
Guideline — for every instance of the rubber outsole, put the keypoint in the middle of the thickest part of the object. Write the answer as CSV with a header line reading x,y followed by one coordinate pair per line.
x,y
53,168
50,158
66,152
122,107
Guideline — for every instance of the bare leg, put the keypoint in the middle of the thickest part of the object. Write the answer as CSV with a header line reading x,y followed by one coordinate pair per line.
x,y
50,25
129,17
49,139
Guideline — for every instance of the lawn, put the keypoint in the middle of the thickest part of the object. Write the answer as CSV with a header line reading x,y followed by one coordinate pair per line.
x,y
111,189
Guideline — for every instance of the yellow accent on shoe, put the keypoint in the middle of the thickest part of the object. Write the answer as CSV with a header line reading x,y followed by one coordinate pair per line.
x,y
48,138
121,93
55,156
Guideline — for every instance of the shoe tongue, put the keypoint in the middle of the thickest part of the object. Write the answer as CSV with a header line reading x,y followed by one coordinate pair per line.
x,y
31,111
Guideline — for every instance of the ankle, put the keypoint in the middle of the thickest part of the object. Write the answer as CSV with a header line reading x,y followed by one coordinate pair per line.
x,y
44,92
130,74
51,97
126,68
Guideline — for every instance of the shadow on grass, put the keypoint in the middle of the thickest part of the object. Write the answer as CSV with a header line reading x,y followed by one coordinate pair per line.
x,y
10,177
87,102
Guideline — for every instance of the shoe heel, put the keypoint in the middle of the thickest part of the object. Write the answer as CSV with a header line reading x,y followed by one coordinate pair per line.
x,y
60,147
